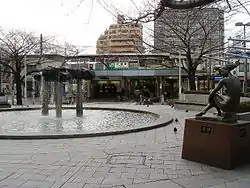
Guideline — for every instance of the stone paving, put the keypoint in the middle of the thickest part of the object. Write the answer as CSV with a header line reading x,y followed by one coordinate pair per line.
x,y
138,160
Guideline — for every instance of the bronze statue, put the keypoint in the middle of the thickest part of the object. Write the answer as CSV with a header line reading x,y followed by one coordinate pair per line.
x,y
225,105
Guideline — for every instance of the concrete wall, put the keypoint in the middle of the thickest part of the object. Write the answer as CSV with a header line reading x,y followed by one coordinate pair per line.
x,y
194,98
200,98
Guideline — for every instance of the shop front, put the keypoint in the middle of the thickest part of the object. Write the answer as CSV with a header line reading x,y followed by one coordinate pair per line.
x,y
149,83
106,89
170,86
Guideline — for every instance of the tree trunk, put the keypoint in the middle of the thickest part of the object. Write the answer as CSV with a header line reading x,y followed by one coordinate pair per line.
x,y
18,82
191,77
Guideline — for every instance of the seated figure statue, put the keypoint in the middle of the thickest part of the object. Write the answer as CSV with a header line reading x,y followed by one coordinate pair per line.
x,y
225,105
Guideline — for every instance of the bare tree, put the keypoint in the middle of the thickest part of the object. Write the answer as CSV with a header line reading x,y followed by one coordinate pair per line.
x,y
15,45
191,33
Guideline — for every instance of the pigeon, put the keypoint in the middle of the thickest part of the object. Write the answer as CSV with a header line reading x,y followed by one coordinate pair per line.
x,y
175,130
176,120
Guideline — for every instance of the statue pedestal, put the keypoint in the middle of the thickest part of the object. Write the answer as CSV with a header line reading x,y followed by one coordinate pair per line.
x,y
219,144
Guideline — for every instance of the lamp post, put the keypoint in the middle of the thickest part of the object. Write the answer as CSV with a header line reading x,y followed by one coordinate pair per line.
x,y
25,81
179,79
245,64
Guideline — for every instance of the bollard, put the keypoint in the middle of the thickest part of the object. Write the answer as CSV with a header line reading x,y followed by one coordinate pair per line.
x,y
148,101
141,100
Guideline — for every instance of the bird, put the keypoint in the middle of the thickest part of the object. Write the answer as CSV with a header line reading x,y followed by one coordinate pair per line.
x,y
186,110
176,120
175,130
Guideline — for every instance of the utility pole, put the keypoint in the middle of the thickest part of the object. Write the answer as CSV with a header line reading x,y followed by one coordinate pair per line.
x,y
78,63
210,69
65,54
246,64
12,86
244,46
180,75
1,77
25,81
41,45
41,55
1,74
33,90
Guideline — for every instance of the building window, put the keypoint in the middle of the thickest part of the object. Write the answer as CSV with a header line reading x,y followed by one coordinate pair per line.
x,y
112,32
113,26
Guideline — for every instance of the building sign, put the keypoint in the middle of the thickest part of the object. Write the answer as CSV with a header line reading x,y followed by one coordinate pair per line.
x,y
118,65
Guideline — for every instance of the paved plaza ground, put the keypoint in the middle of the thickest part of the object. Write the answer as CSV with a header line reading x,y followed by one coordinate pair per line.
x,y
148,159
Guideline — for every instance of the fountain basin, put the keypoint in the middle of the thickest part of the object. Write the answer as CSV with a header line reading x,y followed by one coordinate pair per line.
x,y
27,123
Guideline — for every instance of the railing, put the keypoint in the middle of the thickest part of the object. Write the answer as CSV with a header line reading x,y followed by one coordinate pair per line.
x,y
134,68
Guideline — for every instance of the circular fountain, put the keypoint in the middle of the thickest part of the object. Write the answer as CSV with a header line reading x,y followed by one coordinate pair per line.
x,y
101,120
27,123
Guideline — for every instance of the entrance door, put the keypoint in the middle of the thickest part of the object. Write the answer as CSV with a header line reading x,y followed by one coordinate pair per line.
x,y
145,87
106,89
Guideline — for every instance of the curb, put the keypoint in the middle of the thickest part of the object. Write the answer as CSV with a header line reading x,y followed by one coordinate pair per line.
x,y
190,103
84,135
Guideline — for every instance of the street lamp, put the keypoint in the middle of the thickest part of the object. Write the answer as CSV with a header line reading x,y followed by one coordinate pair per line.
x,y
184,4
245,65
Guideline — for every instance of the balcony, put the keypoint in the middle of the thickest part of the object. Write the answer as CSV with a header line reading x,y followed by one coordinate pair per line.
x,y
122,44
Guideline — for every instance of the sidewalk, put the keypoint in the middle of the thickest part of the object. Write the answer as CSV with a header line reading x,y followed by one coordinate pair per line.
x,y
150,159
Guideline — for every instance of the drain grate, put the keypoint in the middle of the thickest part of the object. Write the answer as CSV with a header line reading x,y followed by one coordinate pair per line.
x,y
127,159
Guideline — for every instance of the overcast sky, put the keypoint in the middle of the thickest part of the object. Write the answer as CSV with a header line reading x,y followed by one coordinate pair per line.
x,y
78,25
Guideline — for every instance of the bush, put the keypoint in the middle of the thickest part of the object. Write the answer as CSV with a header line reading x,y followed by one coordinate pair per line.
x,y
244,107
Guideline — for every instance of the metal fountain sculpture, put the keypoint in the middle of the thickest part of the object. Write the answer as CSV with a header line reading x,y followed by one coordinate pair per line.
x,y
59,75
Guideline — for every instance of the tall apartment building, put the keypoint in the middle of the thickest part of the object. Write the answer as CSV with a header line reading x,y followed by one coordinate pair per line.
x,y
191,26
121,38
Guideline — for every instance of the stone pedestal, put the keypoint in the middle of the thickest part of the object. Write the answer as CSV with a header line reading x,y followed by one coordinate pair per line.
x,y
223,145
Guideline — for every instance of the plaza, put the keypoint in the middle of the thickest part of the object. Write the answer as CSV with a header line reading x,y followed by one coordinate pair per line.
x,y
149,158
106,94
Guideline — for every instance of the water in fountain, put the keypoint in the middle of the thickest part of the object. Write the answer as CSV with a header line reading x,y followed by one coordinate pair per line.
x,y
31,122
